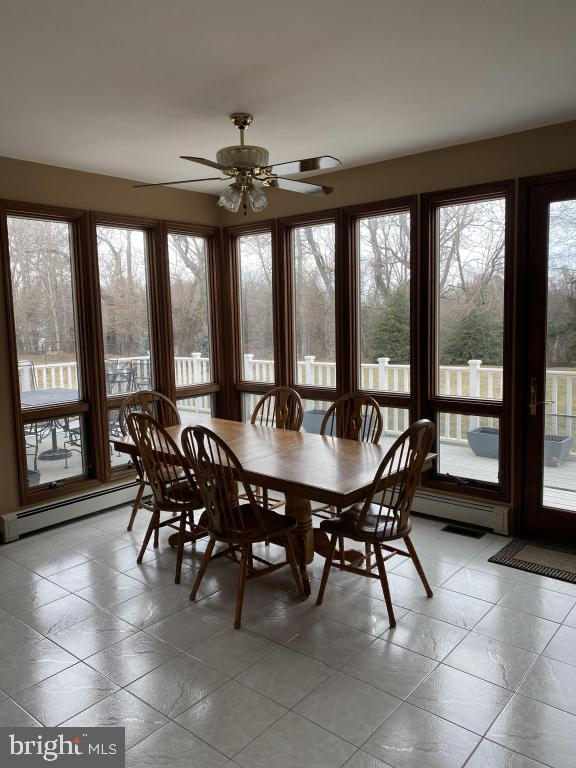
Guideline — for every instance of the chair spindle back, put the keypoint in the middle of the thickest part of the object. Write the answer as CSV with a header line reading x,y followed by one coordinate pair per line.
x,y
281,407
355,417
397,478
172,483
151,402
217,468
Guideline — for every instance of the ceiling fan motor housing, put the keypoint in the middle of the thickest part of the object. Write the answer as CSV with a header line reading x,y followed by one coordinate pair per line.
x,y
243,156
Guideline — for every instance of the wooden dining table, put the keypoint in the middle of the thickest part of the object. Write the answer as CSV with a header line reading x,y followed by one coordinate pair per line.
x,y
304,467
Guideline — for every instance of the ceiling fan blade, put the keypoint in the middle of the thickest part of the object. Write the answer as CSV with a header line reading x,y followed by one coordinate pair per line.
x,y
310,164
185,181
203,161
293,185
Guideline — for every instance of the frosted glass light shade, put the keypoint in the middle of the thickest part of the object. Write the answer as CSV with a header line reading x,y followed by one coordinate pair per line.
x,y
256,198
231,198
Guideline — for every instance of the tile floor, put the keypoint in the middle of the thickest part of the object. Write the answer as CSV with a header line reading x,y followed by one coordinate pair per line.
x,y
481,675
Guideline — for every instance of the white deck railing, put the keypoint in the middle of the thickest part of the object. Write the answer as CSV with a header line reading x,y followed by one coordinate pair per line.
x,y
472,380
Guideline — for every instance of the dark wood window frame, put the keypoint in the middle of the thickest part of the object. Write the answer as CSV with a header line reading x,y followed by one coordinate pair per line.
x,y
212,268
79,228
95,403
430,403
422,402
350,332
287,362
231,316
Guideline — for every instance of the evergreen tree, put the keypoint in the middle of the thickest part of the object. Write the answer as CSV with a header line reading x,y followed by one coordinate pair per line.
x,y
476,336
389,333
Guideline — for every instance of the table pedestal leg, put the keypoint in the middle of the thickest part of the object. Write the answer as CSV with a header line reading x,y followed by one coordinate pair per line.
x,y
301,510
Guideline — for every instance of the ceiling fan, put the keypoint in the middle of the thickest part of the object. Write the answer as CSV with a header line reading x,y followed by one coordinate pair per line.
x,y
246,164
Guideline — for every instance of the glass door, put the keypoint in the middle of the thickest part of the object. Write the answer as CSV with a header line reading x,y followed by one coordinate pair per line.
x,y
550,388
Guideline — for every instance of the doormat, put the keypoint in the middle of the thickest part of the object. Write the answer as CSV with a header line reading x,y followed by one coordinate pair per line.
x,y
546,558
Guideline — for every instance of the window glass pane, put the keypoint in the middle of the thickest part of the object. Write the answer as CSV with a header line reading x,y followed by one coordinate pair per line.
x,y
469,446
117,459
192,409
384,284
124,294
314,411
256,307
314,304
470,265
41,274
54,450
559,475
190,313
395,421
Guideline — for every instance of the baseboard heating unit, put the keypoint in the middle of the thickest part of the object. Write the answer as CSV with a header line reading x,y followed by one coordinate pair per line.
x,y
15,524
470,511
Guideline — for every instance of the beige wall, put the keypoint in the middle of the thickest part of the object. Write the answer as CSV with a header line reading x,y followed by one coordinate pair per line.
x,y
531,152
520,154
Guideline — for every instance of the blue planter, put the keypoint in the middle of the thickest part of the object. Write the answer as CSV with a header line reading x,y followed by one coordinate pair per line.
x,y
313,421
485,442
556,449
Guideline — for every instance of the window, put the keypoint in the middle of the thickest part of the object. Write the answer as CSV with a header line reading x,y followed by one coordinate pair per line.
x,y
67,300
313,264
256,307
190,309
123,272
44,310
314,412
384,253
191,409
42,283
54,450
470,259
469,447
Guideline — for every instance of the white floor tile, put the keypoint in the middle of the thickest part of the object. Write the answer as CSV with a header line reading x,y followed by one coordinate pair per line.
x,y
413,738
536,730
231,717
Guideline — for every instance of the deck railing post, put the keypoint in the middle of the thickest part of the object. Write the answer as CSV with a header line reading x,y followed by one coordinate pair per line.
x,y
309,369
474,387
196,367
383,363
248,366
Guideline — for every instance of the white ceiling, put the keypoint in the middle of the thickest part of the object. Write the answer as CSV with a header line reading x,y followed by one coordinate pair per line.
x,y
125,87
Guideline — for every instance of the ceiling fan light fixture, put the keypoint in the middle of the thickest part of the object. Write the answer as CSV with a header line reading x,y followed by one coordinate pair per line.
x,y
243,164
231,198
257,198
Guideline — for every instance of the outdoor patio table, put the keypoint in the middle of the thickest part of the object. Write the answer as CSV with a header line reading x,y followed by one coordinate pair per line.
x,y
37,397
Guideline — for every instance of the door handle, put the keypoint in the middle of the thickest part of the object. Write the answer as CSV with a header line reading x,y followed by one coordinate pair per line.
x,y
533,394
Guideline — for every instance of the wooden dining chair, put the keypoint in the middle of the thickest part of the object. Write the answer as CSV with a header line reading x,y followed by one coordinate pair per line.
x,y
281,408
240,525
173,485
161,408
385,515
355,416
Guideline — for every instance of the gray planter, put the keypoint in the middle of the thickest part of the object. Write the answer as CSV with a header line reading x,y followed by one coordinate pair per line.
x,y
485,442
556,449
313,421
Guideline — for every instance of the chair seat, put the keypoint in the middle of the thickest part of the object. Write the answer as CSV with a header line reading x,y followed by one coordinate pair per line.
x,y
372,529
185,496
274,525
